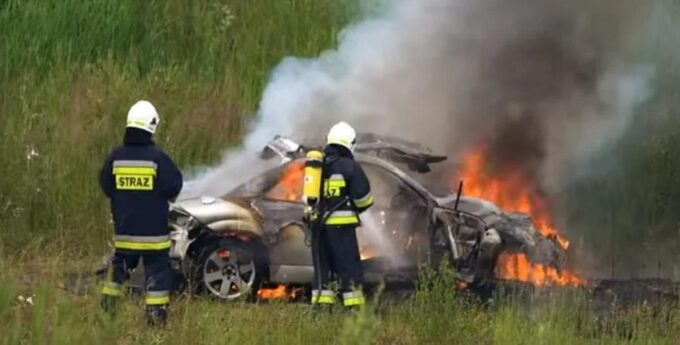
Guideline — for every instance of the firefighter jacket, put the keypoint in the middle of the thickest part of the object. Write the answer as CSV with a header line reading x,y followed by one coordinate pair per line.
x,y
346,189
140,181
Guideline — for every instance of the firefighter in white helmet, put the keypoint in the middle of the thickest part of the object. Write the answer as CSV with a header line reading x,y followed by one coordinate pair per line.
x,y
140,181
346,192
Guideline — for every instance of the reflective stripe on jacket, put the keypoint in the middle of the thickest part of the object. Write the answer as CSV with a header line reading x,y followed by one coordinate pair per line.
x,y
140,181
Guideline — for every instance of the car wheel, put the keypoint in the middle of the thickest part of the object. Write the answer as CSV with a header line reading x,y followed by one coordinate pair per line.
x,y
230,269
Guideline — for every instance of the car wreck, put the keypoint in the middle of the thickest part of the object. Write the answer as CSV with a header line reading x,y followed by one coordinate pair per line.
x,y
231,245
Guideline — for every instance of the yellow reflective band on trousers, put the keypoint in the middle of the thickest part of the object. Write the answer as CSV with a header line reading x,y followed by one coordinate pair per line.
x,y
157,300
142,242
327,297
157,297
323,300
112,289
364,202
143,246
342,218
350,299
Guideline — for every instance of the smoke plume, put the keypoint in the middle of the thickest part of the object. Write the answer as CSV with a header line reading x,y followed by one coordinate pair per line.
x,y
544,83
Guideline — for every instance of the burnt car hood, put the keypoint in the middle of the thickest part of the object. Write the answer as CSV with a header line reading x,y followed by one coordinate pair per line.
x,y
476,206
209,211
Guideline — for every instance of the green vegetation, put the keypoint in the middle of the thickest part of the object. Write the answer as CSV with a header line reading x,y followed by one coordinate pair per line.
x,y
622,207
70,69
434,315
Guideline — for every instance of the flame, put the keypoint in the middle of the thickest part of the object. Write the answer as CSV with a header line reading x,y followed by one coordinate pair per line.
x,y
276,293
366,253
289,184
280,292
516,266
512,190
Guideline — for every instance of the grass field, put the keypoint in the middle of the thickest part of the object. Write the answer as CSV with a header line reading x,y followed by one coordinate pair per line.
x,y
69,70
434,315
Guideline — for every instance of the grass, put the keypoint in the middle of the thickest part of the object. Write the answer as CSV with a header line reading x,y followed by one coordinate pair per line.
x,y
434,315
69,70
624,211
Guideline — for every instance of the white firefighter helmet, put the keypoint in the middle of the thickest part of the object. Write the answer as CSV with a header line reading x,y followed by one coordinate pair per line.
x,y
342,134
143,115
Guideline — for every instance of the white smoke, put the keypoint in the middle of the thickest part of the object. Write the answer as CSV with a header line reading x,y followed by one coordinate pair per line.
x,y
449,73
237,167
373,238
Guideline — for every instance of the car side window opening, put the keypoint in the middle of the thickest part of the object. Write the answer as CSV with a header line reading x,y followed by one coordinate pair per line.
x,y
397,212
389,191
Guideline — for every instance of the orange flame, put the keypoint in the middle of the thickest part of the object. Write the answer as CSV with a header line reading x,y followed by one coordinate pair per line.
x,y
516,266
366,252
511,191
289,185
514,191
280,292
275,293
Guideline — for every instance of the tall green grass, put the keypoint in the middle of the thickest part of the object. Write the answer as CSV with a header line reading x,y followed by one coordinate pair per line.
x,y
623,210
70,70
436,314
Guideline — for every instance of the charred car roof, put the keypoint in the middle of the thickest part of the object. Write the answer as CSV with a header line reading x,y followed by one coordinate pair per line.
x,y
417,157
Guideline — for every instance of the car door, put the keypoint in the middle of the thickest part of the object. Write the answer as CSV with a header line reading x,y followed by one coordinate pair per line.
x,y
282,208
394,229
391,235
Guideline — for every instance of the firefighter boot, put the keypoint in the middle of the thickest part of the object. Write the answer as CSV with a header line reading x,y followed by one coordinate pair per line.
x,y
156,315
108,304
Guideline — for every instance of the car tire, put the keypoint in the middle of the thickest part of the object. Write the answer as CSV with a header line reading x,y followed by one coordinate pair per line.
x,y
230,269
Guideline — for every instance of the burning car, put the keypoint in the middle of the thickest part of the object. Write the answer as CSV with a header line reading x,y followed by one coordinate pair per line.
x,y
232,245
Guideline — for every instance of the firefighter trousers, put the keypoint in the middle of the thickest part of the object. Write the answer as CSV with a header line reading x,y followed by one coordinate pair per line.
x,y
339,257
158,273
